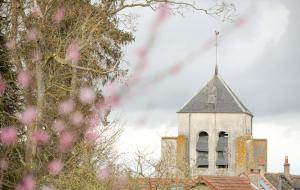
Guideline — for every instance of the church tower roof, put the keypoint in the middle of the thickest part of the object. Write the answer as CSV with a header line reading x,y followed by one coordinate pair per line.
x,y
215,97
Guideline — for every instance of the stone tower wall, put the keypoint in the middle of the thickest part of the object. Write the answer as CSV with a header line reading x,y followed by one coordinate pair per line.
x,y
234,124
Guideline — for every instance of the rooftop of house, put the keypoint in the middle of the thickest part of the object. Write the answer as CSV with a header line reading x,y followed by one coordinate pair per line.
x,y
215,97
211,182
226,182
287,183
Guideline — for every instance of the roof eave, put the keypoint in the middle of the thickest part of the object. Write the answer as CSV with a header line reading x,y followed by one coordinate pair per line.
x,y
248,113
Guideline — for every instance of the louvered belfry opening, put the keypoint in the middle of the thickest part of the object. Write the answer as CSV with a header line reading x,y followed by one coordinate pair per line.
x,y
222,150
202,150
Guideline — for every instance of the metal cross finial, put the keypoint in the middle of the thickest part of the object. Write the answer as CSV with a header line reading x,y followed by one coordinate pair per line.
x,y
216,69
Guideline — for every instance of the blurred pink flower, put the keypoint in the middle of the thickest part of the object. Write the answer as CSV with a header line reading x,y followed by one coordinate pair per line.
x,y
73,52
11,44
66,141
55,166
3,165
240,22
59,15
24,78
8,136
98,105
175,69
28,115
94,119
163,12
36,56
87,95
66,107
59,125
2,86
208,44
36,11
113,101
40,136
91,136
28,183
104,174
142,53
32,34
134,79
76,118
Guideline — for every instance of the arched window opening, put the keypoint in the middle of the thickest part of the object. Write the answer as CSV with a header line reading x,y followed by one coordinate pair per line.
x,y
202,150
222,150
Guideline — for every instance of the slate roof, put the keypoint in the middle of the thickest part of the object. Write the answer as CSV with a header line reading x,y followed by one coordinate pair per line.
x,y
293,182
215,97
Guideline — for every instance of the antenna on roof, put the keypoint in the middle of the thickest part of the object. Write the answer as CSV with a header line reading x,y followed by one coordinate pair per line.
x,y
216,69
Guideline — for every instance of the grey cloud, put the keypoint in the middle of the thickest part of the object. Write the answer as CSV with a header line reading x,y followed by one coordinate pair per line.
x,y
270,85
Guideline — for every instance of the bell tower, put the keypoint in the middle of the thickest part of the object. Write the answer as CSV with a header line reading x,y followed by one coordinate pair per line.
x,y
212,120
214,135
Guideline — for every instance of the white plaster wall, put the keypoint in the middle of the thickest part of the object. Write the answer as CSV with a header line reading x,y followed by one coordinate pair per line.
x,y
235,124
183,124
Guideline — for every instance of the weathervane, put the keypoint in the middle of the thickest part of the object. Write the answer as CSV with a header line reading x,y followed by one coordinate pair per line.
x,y
216,69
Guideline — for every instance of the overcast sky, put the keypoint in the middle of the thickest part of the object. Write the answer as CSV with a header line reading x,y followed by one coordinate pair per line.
x,y
260,62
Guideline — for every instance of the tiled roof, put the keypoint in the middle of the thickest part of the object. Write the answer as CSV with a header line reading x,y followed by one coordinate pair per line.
x,y
215,97
227,182
212,182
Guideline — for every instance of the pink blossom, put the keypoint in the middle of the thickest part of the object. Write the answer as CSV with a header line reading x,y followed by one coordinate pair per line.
x,y
59,15
40,136
66,107
208,44
2,86
142,52
29,115
163,12
94,119
76,118
114,100
36,56
104,174
28,183
73,52
98,105
24,79
134,79
11,44
59,126
175,69
91,136
8,136
240,22
54,167
87,95
36,11
32,34
3,164
66,141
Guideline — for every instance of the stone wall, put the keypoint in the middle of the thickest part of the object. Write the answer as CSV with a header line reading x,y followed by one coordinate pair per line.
x,y
251,155
234,124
